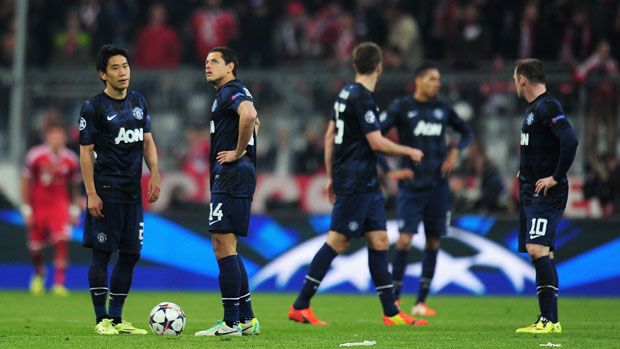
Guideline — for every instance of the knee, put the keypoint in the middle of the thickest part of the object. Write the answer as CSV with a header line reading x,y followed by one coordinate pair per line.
x,y
404,242
535,251
101,258
338,242
222,247
432,243
129,258
339,246
379,243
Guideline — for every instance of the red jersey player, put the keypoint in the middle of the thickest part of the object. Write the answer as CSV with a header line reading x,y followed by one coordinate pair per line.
x,y
49,186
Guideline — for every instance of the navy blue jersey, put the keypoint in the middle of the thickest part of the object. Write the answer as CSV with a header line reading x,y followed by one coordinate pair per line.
x,y
355,163
548,142
237,178
422,125
116,128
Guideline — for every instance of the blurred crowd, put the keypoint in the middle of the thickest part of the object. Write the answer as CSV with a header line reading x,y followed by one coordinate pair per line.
x,y
167,33
581,37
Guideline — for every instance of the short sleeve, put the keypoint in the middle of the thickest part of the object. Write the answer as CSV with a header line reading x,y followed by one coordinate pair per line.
x,y
147,116
390,117
237,95
366,112
87,126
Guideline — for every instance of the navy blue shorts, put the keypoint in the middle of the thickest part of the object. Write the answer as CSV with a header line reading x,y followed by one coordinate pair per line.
x,y
430,206
229,214
120,229
539,217
356,214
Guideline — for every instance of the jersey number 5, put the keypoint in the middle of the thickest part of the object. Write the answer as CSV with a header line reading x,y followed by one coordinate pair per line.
x,y
339,108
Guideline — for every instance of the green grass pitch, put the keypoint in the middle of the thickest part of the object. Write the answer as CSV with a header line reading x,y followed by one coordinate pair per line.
x,y
463,322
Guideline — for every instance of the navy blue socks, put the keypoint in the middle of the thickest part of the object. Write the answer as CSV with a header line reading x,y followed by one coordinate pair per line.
x,y
556,284
230,287
377,263
120,283
545,288
318,268
399,264
98,283
429,261
245,302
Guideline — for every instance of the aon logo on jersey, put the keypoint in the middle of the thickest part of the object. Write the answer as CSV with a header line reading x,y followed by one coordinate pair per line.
x,y
525,138
427,129
129,136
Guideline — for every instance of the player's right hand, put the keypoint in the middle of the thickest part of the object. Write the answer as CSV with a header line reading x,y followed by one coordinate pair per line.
x,y
402,174
329,187
416,155
95,206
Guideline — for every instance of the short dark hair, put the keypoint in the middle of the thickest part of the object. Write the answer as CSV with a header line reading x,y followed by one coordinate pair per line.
x,y
366,57
532,68
106,52
423,68
228,55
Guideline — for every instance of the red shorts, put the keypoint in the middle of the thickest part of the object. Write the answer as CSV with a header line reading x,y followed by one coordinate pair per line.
x,y
49,225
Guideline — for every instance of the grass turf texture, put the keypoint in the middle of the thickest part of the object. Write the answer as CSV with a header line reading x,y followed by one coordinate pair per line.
x,y
463,322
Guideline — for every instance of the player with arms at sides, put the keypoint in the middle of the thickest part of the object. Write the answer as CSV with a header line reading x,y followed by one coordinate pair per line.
x,y
352,137
421,120
50,204
115,135
548,147
234,125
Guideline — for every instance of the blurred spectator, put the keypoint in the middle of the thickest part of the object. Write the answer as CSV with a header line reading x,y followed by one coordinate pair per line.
x,y
309,158
577,38
212,26
613,166
278,156
614,35
404,36
41,30
324,29
444,26
521,42
196,159
602,14
369,23
72,45
600,73
256,20
7,44
602,182
343,47
157,44
471,44
476,167
290,37
553,20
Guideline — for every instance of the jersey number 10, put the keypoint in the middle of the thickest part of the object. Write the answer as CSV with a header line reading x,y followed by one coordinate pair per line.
x,y
339,108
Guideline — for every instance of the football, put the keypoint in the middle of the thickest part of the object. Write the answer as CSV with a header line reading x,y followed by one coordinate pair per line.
x,y
167,319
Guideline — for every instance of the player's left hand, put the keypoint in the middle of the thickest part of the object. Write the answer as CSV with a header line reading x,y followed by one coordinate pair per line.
x,y
450,162
544,184
153,191
228,156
